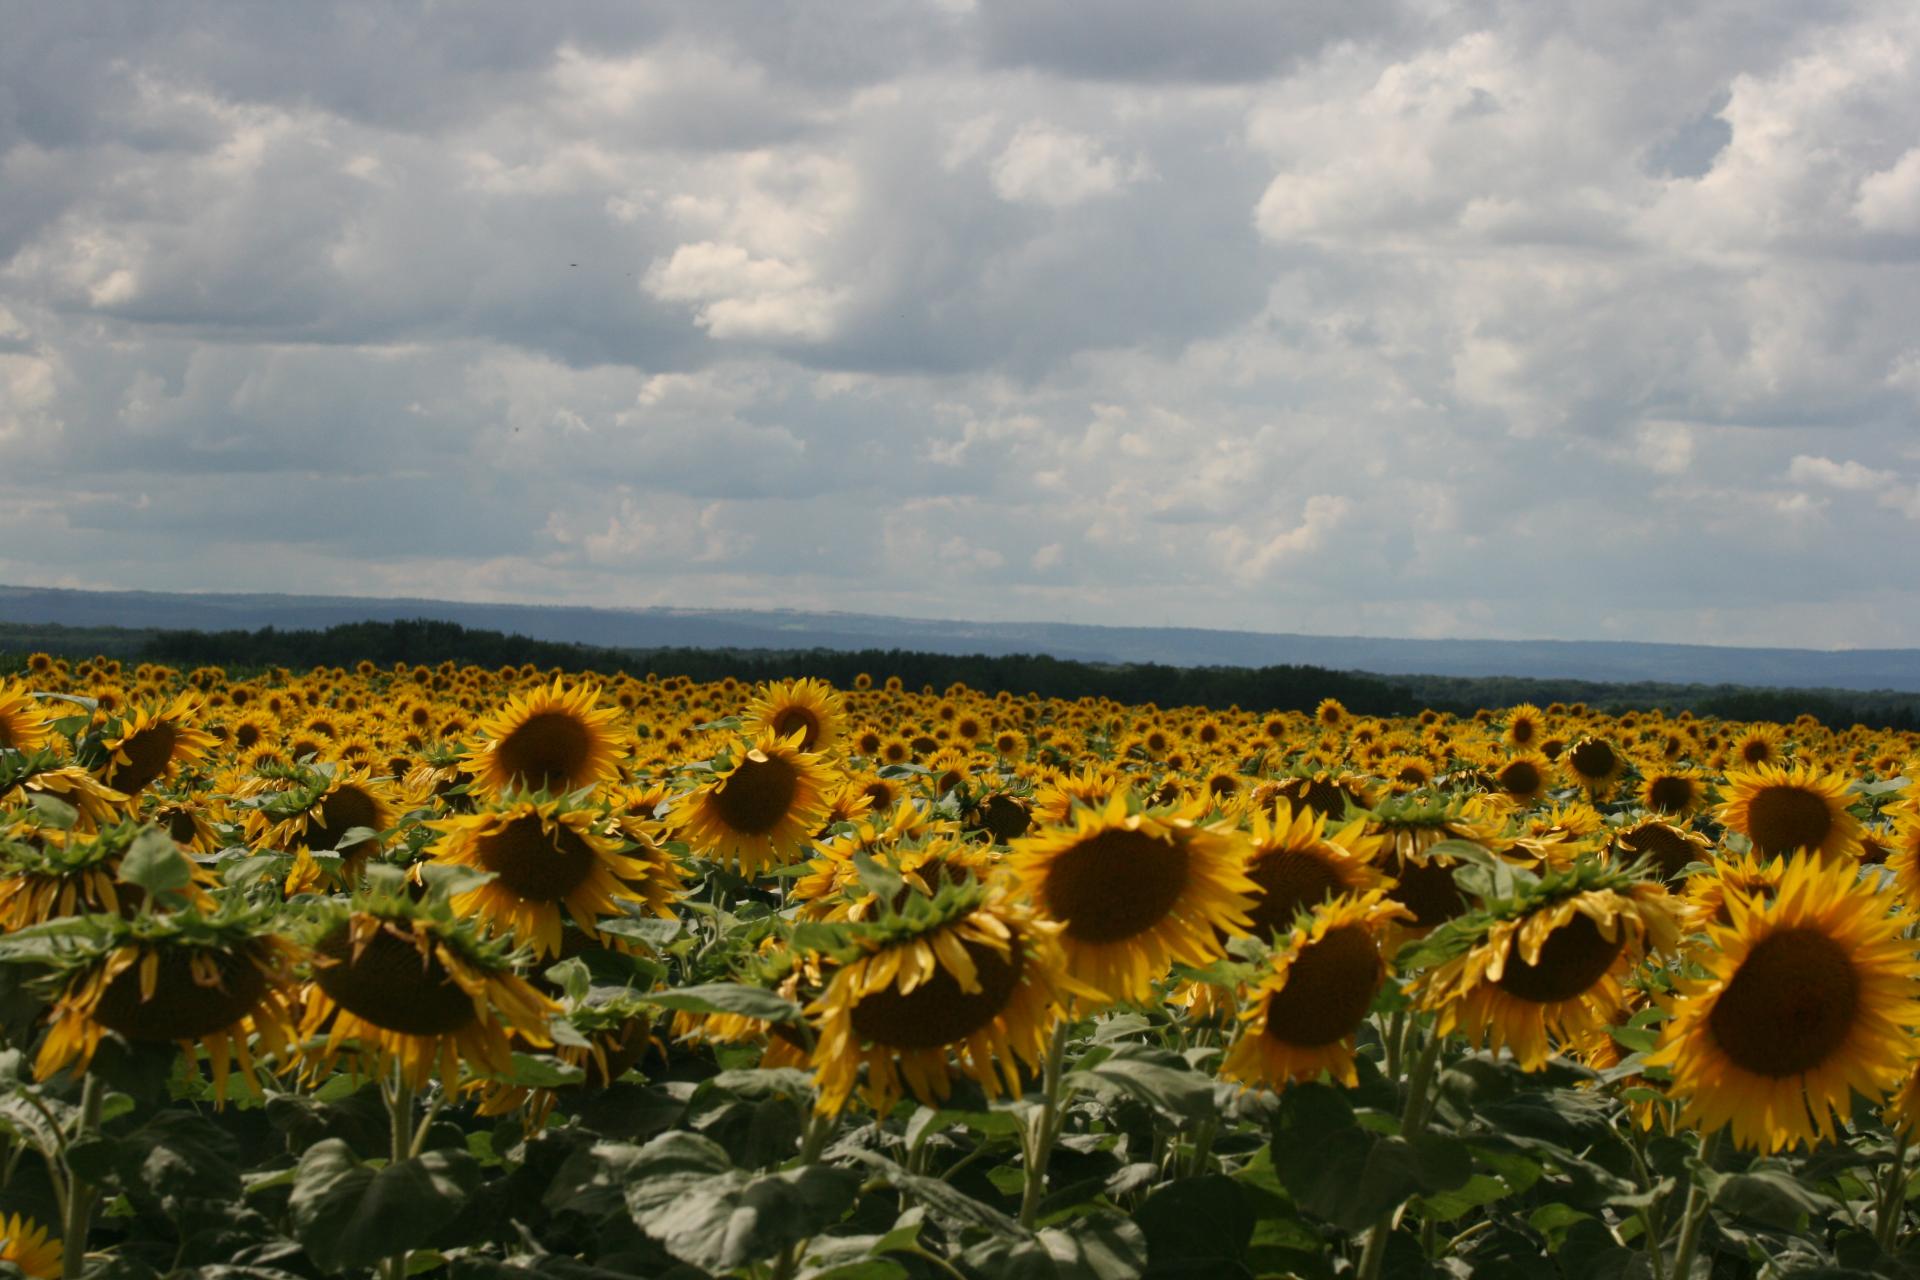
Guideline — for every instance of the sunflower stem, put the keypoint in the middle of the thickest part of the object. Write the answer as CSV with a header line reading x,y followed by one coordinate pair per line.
x,y
400,1114
1045,1127
1893,1199
820,1127
1651,1225
79,1207
1413,1118
1696,1213
1395,1031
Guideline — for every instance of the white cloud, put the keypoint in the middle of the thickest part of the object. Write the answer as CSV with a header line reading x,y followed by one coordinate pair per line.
x,y
1848,475
1049,166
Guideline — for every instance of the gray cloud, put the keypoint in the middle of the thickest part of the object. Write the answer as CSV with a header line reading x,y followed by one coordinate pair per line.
x,y
1487,319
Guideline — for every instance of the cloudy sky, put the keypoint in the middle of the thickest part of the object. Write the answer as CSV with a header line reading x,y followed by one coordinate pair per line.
x,y
1398,317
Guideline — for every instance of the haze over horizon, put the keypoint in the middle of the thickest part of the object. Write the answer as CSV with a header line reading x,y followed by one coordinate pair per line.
x,y
1394,318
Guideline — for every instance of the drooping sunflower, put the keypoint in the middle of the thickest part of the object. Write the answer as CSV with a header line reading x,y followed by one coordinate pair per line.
x,y
1544,965
25,723
543,855
218,981
47,874
1784,810
1806,999
964,978
309,808
1424,881
1136,890
765,801
1300,1020
1296,865
153,744
25,1244
552,739
395,984
1327,792
1671,848
811,708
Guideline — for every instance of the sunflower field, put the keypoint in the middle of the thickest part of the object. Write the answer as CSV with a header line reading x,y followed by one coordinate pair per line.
x,y
503,974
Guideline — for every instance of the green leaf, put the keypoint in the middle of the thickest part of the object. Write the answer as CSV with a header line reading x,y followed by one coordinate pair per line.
x,y
686,1194
728,997
652,931
1156,1077
534,1072
1195,1219
349,1215
1770,1196
572,977
883,883
155,863
942,1199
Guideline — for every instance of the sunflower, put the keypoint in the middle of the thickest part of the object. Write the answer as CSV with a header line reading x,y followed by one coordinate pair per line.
x,y
974,980
153,744
1671,848
1424,881
542,855
216,981
394,984
309,808
1300,1020
1595,764
810,708
1296,865
1324,791
1759,744
1806,999
1545,964
765,801
1784,810
1523,777
1136,892
1673,792
25,724
1747,874
50,874
1526,726
552,739
25,1244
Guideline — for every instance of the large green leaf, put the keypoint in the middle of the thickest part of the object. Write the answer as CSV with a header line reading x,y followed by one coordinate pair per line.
x,y
349,1214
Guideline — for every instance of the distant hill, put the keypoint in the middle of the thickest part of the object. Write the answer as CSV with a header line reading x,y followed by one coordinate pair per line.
x,y
1596,660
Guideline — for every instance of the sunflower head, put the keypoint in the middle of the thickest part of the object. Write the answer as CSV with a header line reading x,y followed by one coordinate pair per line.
x,y
403,985
1782,810
1136,889
1673,792
764,802
964,978
1801,1001
1296,864
1539,961
216,980
1670,848
49,872
151,744
544,856
553,739
26,1244
25,722
811,709
1299,1020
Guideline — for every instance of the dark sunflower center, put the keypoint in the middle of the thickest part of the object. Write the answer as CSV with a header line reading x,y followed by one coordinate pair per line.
x,y
1670,794
392,985
1782,819
1006,818
148,753
1592,759
938,1012
1756,752
535,863
1115,884
1523,732
181,1009
1317,794
1789,1006
1573,958
1290,882
757,796
547,751
340,812
1520,778
1429,892
1669,849
1330,987
792,720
